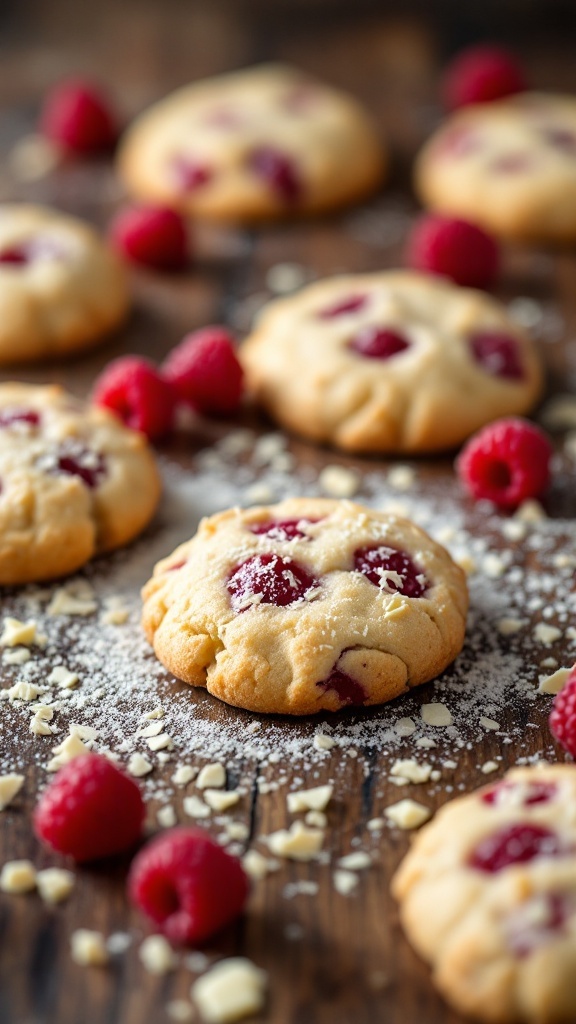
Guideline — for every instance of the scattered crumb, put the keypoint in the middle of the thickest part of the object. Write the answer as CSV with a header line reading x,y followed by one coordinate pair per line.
x,y
407,814
18,876
232,989
212,776
157,955
297,843
88,948
338,482
55,884
10,785
436,714
555,682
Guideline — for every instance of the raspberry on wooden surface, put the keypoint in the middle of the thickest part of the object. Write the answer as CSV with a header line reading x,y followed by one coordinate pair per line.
x,y
90,810
563,715
154,236
454,248
188,885
205,372
481,74
78,117
133,389
506,462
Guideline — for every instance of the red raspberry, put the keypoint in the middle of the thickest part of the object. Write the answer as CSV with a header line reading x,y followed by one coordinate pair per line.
x,y
134,390
77,116
90,810
205,372
188,885
454,248
506,463
480,74
155,236
563,714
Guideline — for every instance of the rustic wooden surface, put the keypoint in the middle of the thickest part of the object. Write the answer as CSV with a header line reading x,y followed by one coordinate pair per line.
x,y
353,963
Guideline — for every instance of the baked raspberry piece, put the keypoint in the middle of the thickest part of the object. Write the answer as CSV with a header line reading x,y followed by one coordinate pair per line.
x,y
497,354
268,579
77,116
278,171
350,304
205,373
347,689
514,844
90,810
73,458
454,248
188,173
188,885
132,388
287,529
506,463
378,343
154,236
11,417
563,715
390,569
524,794
481,74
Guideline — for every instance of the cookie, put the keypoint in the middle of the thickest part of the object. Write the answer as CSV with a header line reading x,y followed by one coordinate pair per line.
x,y
509,166
61,288
73,482
261,143
488,897
389,362
307,605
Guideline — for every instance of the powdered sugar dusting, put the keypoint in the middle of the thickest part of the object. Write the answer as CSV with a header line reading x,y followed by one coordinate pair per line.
x,y
496,676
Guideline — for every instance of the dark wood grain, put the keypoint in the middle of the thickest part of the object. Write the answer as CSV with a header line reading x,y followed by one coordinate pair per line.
x,y
352,963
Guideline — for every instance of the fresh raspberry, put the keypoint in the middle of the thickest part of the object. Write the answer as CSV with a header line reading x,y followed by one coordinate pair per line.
x,y
454,248
205,372
90,810
506,463
134,390
155,236
481,74
188,885
563,714
77,116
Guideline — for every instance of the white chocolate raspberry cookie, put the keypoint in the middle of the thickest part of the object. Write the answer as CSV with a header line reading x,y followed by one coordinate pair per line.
x,y
73,482
260,143
389,362
488,897
510,166
61,288
306,605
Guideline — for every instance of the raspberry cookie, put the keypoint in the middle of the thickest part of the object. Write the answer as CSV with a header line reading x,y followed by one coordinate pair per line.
x,y
61,288
390,362
73,482
260,143
488,897
307,605
510,166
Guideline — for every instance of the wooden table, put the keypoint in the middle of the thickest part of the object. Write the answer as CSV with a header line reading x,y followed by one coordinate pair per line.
x,y
330,958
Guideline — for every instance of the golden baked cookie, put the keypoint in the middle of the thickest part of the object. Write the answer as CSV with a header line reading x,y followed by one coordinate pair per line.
x,y
488,897
509,166
73,482
394,361
261,143
306,605
61,288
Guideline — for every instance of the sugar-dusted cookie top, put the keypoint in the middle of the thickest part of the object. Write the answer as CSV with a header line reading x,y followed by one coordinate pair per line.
x,y
306,605
73,482
488,897
394,361
61,288
260,143
509,166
